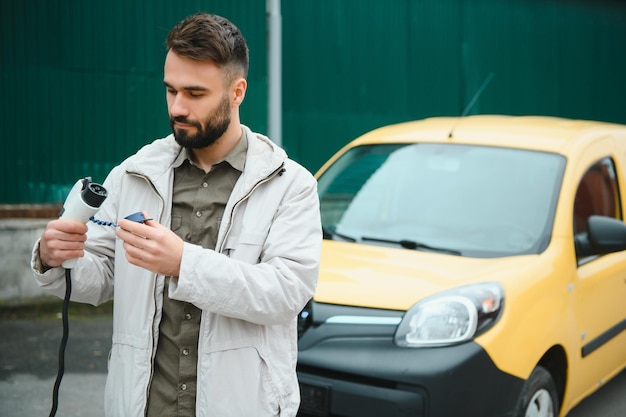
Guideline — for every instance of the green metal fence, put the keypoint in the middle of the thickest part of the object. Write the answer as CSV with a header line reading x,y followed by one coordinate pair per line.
x,y
81,79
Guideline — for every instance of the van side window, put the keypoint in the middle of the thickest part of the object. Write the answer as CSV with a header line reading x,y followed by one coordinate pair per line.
x,y
597,194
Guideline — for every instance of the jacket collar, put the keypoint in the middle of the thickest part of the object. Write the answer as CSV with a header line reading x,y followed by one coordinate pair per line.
x,y
155,161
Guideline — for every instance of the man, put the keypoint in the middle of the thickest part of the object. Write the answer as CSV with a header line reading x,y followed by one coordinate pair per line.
x,y
206,295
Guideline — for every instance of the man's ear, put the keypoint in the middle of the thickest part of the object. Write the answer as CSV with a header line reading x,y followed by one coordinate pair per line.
x,y
239,91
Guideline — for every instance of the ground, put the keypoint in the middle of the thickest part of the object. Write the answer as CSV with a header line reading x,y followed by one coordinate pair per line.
x,y
29,359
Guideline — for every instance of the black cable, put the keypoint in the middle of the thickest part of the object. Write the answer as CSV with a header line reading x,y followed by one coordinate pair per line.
x,y
66,333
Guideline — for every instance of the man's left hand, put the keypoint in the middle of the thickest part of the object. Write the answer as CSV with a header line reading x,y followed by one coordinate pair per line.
x,y
152,246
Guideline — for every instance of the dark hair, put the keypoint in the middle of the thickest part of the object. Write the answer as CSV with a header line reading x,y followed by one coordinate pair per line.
x,y
208,37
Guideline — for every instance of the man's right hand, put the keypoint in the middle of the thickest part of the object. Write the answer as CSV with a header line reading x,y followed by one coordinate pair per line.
x,y
63,239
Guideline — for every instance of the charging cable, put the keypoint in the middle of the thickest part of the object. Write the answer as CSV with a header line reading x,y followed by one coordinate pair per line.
x,y
62,346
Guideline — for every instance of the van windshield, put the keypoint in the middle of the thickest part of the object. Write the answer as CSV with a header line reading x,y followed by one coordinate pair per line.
x,y
476,201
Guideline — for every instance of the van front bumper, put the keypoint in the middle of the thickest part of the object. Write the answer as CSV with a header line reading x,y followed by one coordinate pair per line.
x,y
357,370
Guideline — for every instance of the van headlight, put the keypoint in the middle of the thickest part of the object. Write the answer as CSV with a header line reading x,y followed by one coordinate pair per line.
x,y
451,317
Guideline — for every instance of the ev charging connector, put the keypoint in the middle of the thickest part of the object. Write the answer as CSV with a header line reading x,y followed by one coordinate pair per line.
x,y
83,201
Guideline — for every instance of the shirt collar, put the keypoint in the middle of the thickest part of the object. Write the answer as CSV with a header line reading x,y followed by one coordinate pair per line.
x,y
235,158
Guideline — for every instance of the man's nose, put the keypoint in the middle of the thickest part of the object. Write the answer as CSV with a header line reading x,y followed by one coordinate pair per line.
x,y
178,106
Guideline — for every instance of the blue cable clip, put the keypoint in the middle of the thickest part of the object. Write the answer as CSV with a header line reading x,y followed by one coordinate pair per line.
x,y
135,217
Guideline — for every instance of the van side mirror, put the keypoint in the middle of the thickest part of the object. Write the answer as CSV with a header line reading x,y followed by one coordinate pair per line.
x,y
606,234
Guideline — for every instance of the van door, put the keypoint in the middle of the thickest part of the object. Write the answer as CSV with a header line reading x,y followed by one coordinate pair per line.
x,y
601,281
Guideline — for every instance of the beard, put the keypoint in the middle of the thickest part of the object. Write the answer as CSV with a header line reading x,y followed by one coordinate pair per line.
x,y
208,131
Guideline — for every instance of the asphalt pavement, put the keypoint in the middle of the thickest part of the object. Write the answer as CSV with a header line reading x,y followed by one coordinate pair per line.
x,y
29,354
29,361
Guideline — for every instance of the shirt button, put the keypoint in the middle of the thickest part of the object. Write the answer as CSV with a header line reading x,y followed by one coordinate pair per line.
x,y
188,316
205,185
185,352
198,213
183,387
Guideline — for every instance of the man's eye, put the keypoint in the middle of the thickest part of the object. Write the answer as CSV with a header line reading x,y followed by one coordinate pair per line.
x,y
171,91
195,94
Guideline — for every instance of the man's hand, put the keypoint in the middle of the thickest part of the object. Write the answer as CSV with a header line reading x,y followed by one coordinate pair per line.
x,y
63,239
151,246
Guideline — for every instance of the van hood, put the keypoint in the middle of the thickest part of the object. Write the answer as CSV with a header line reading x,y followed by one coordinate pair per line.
x,y
395,278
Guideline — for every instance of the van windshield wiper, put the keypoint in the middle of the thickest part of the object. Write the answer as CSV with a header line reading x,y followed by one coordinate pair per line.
x,y
405,243
331,234
412,244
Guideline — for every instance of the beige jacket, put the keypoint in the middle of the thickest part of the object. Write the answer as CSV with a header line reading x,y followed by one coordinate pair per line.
x,y
250,289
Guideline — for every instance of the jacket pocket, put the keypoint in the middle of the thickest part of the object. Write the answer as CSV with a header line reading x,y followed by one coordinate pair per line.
x,y
127,380
177,222
246,247
237,382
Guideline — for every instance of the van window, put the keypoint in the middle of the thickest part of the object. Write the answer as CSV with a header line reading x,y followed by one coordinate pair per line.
x,y
597,194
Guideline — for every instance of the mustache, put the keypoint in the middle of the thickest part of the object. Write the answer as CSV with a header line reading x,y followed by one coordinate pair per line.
x,y
183,119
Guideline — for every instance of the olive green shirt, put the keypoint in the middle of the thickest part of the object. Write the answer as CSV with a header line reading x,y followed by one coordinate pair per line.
x,y
198,203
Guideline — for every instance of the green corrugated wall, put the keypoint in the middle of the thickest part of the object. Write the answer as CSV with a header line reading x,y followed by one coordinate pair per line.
x,y
354,65
81,79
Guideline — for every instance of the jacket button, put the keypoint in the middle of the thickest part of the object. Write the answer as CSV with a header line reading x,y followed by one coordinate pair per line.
x,y
185,352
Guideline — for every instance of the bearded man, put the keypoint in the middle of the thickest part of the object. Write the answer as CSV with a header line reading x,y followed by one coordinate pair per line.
x,y
206,295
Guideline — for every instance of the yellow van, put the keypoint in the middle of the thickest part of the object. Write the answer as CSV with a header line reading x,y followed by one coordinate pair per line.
x,y
471,266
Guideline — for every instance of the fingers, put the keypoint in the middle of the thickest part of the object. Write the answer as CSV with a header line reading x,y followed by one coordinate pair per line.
x,y
68,226
63,239
139,239
151,245
134,232
140,249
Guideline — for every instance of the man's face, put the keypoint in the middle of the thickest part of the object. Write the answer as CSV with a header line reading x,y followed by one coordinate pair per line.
x,y
197,100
